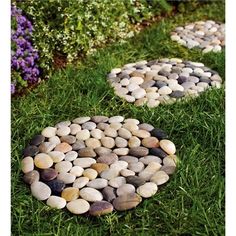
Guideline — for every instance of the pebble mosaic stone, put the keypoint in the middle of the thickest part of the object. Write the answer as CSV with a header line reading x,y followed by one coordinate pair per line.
x,y
156,82
209,36
115,163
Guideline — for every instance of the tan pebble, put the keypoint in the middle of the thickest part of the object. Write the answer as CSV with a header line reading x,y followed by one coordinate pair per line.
x,y
150,142
83,134
90,173
99,167
108,142
124,133
160,177
134,142
141,133
43,161
97,133
130,126
141,101
70,194
93,143
63,147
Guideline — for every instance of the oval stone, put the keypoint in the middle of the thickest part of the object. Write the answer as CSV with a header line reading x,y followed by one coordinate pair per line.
x,y
78,206
46,147
83,134
67,178
99,167
108,159
84,162
74,129
63,130
135,180
138,151
150,170
102,150
63,147
27,164
77,171
56,202
70,194
109,174
150,142
43,161
117,182
108,193
147,190
108,142
71,156
56,140
168,146
136,167
56,186
40,190
63,167
98,183
37,140
48,174
100,208
70,139
93,143
80,182
147,159
90,173
159,133
126,202
126,172
121,142
90,194
124,133
31,177
87,152
30,151
141,133
97,133
49,132
158,152
134,142
56,156
125,189
160,177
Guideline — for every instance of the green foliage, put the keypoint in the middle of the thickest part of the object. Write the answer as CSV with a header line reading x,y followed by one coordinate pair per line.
x,y
75,28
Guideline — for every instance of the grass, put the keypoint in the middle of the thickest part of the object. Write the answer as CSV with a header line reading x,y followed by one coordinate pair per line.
x,y
192,203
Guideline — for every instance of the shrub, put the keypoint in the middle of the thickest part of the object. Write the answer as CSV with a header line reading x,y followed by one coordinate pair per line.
x,y
24,70
77,27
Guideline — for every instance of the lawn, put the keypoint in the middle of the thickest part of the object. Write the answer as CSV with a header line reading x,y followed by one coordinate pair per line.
x,y
192,202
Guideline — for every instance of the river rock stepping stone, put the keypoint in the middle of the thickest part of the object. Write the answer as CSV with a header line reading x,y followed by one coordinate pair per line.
x,y
112,164
208,35
162,81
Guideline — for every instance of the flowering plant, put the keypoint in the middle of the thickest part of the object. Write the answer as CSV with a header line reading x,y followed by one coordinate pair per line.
x,y
24,70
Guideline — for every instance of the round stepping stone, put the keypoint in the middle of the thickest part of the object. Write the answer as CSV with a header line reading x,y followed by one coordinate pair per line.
x,y
209,36
103,164
162,81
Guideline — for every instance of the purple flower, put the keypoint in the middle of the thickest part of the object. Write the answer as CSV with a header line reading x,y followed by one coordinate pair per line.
x,y
23,56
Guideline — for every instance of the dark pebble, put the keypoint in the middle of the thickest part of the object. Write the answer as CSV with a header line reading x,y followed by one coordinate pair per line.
x,y
176,70
109,193
177,94
159,133
31,151
160,84
158,152
100,208
70,139
56,186
182,79
135,180
31,177
138,151
37,139
164,73
79,144
205,79
48,174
